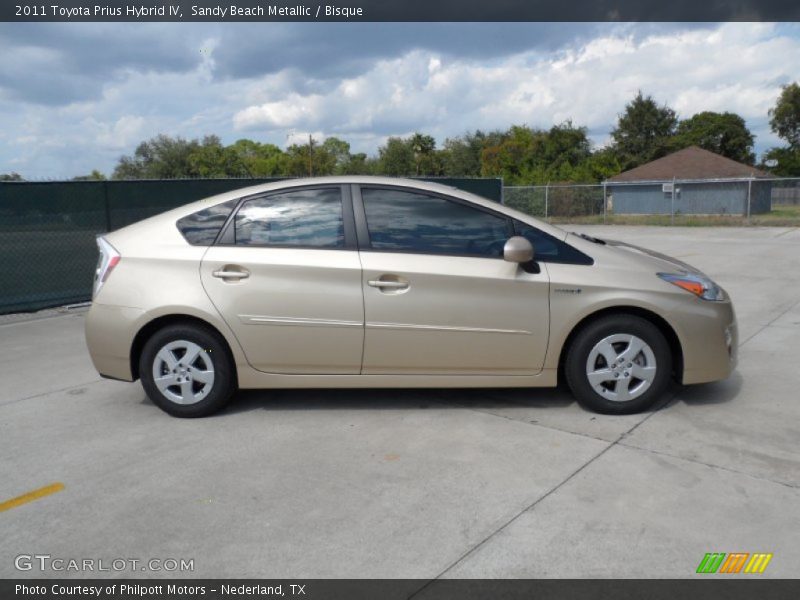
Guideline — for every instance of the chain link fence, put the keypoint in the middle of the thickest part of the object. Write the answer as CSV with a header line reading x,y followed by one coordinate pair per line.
x,y
556,201
709,201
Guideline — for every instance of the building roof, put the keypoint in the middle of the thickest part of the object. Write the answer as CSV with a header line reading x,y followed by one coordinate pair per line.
x,y
690,163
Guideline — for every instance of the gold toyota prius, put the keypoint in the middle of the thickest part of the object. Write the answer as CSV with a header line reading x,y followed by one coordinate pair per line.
x,y
378,282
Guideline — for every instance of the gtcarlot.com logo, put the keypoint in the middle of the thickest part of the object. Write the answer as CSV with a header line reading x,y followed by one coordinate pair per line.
x,y
734,562
46,562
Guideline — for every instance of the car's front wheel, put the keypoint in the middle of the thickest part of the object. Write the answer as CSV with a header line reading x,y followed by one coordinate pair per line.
x,y
186,371
618,364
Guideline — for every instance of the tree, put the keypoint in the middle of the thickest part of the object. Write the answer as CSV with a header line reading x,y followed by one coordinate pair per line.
x,y
359,164
528,156
210,159
13,176
785,122
785,116
396,158
723,133
300,159
95,175
461,156
643,131
424,148
601,165
787,162
315,159
335,155
161,157
260,160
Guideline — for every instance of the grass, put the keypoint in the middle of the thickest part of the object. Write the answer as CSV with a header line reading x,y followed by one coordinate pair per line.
x,y
781,216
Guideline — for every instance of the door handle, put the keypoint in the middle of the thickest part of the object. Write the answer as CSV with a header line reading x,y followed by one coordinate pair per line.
x,y
227,273
396,285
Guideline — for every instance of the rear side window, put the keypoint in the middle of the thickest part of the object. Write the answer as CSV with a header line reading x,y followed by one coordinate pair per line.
x,y
201,228
404,221
546,248
300,218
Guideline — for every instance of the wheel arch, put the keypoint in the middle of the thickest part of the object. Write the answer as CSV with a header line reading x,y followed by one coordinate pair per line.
x,y
158,323
662,324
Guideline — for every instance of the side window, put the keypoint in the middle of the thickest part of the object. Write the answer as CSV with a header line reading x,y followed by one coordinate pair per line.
x,y
201,228
303,218
413,222
546,248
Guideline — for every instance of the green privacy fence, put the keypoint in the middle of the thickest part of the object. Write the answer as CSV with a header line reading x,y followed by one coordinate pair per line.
x,y
48,229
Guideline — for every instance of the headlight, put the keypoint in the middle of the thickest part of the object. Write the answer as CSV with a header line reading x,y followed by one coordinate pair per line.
x,y
699,285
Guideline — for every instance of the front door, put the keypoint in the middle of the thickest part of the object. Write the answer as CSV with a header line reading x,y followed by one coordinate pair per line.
x,y
438,296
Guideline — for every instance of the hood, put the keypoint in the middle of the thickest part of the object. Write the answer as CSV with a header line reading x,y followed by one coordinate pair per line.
x,y
630,254
662,261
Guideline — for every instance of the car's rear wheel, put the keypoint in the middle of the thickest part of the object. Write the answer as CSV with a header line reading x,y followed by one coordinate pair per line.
x,y
618,364
186,370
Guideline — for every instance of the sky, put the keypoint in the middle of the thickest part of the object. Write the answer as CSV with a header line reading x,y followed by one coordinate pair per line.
x,y
76,96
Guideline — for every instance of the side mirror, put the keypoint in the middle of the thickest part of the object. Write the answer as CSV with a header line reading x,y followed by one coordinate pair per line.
x,y
518,250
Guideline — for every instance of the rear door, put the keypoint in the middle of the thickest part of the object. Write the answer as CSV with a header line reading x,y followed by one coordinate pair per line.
x,y
438,296
286,277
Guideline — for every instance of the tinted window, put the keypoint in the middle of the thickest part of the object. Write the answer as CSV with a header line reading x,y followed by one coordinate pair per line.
x,y
412,222
310,218
546,248
201,228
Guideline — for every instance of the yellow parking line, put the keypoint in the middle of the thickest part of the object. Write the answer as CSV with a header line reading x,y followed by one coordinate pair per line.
x,y
31,496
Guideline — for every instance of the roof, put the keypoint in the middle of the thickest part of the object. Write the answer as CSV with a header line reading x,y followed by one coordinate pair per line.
x,y
690,163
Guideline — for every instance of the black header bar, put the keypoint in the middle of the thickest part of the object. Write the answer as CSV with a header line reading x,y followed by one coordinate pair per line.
x,y
400,10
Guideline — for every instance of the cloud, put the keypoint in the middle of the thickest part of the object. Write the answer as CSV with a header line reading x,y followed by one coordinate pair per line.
x,y
732,67
77,96
59,63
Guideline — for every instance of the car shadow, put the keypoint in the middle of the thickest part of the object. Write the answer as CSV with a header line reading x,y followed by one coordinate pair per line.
x,y
717,392
397,399
488,399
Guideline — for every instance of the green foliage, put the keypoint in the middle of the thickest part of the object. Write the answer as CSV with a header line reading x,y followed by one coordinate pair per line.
x,y
210,159
787,159
785,116
161,157
723,133
13,176
461,156
527,156
785,121
426,160
260,160
396,158
521,155
643,132
95,175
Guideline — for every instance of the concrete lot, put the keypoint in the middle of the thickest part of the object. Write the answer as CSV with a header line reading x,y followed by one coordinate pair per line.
x,y
420,484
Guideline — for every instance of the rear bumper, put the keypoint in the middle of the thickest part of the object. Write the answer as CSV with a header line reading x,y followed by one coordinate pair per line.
x,y
109,338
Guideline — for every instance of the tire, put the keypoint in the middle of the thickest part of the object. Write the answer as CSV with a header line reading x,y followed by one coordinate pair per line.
x,y
186,370
600,382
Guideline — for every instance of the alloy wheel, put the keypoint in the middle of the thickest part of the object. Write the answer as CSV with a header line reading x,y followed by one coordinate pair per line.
x,y
621,367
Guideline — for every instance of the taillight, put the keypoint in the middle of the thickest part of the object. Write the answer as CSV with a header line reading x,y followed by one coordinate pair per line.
x,y
108,259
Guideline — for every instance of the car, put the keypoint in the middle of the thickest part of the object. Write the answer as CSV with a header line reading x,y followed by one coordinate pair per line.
x,y
376,282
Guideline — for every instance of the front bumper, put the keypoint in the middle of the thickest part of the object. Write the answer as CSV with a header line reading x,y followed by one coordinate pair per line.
x,y
709,339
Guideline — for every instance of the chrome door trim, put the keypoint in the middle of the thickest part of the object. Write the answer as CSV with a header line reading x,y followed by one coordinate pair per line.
x,y
378,325
299,321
